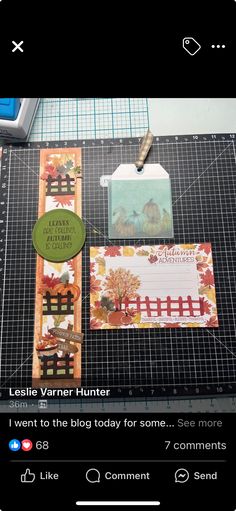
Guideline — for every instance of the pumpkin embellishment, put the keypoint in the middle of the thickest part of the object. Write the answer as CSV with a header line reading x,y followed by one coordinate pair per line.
x,y
126,319
118,318
152,211
152,224
48,284
166,221
151,227
115,318
63,289
121,223
137,220
126,229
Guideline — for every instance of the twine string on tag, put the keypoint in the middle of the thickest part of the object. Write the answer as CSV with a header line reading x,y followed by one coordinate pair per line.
x,y
144,149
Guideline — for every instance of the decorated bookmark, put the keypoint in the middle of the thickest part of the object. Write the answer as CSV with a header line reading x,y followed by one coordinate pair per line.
x,y
58,237
139,199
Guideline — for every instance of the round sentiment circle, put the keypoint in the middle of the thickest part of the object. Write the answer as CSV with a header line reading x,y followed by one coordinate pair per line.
x,y
58,235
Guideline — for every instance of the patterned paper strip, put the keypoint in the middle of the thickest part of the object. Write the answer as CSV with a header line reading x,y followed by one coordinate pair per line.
x,y
58,285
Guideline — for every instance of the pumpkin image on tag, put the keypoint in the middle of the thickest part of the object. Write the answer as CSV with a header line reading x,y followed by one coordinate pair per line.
x,y
140,203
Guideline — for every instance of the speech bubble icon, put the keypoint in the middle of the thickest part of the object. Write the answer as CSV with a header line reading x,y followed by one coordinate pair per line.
x,y
93,475
181,475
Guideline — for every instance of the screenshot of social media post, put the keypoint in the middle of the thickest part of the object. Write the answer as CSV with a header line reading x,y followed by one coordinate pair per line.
x,y
117,324
118,460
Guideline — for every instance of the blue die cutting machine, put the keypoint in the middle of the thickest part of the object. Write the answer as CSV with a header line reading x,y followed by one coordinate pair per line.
x,y
16,118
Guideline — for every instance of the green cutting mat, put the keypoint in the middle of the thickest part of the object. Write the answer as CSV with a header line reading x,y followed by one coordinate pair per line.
x,y
76,118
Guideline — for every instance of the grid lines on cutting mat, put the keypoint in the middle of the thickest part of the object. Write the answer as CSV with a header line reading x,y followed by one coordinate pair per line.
x,y
20,263
85,118
203,213
203,193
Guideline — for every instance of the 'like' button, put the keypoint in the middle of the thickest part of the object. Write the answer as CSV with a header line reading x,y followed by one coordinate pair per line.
x,y
27,477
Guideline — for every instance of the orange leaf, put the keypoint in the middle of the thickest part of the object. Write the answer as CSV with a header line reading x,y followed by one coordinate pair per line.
x,y
63,200
207,278
212,322
94,324
112,251
206,307
201,266
94,284
206,247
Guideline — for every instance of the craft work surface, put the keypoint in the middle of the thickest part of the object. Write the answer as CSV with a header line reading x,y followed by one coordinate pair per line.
x,y
76,118
155,362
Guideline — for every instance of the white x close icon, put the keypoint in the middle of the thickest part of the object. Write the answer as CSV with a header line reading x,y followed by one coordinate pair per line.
x,y
17,46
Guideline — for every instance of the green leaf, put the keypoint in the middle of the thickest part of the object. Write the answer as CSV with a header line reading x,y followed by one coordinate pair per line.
x,y
62,169
58,320
65,277
107,304
69,164
76,170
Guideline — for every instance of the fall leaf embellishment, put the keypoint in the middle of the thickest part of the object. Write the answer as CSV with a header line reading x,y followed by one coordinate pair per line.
x,y
205,247
207,279
63,200
128,251
58,319
101,265
209,292
212,322
112,251
100,314
95,284
94,324
94,251
92,267
49,170
187,246
153,259
48,284
206,307
202,263
142,252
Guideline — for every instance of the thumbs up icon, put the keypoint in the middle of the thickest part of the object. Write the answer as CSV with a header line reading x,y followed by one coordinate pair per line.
x,y
27,477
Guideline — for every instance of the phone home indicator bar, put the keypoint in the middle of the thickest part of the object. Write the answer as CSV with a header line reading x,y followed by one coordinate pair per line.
x,y
117,503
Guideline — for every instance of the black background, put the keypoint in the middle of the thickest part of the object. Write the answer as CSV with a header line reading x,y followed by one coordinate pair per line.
x,y
91,50
100,449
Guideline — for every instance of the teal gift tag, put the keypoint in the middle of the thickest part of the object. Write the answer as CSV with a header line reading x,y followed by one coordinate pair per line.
x,y
140,204
58,235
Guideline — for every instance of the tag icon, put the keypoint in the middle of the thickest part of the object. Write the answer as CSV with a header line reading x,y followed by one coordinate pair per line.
x,y
191,45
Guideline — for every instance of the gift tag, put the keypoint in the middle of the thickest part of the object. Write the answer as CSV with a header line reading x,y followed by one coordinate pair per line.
x,y
139,202
139,199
